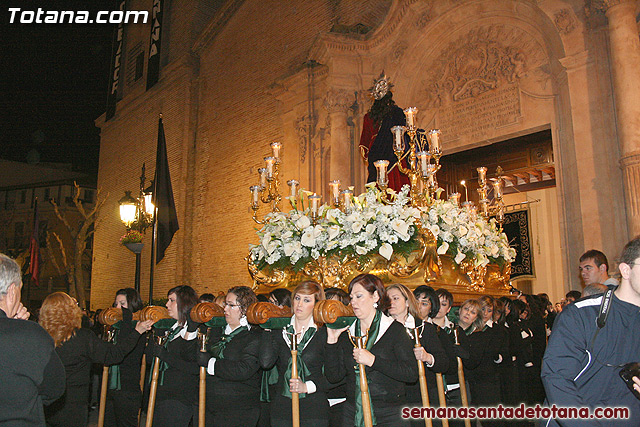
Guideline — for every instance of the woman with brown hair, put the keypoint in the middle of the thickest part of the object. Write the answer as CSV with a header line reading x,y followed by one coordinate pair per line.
x,y
311,384
232,362
388,356
177,392
78,349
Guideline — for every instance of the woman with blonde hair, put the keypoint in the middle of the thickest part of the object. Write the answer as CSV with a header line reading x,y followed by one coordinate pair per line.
x,y
78,349
404,309
310,385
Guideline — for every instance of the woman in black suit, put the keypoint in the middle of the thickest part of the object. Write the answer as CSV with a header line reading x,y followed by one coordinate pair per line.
x,y
78,349
404,309
177,392
124,396
232,362
311,384
388,357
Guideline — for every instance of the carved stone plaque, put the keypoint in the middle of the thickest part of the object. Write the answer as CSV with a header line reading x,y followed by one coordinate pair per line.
x,y
476,117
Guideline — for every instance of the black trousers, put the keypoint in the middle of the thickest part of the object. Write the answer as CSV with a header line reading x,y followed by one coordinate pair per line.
x,y
386,416
172,413
122,408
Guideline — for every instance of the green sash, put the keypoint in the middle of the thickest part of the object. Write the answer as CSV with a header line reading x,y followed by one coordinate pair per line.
x,y
114,370
373,334
217,349
303,371
269,377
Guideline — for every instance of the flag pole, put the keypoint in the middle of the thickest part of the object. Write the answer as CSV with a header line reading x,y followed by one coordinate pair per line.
x,y
153,255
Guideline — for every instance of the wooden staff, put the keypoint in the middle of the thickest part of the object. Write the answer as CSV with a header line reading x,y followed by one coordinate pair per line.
x,y
361,342
461,381
295,397
442,398
259,313
328,311
154,383
422,379
205,311
202,392
108,334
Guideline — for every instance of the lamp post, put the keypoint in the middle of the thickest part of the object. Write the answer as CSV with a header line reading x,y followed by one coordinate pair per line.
x,y
137,216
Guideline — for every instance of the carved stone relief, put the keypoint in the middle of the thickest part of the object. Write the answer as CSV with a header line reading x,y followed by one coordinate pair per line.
x,y
564,21
338,100
473,87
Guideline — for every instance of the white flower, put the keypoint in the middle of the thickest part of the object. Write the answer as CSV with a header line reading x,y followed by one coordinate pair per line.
x,y
303,222
334,231
443,248
308,239
458,259
290,248
401,227
361,250
357,226
386,250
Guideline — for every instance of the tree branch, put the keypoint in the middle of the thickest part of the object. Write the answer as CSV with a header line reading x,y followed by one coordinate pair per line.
x,y
61,217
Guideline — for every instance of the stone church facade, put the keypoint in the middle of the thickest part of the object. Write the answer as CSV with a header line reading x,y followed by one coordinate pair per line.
x,y
238,74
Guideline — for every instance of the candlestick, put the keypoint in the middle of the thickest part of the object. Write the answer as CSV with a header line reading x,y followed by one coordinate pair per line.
x,y
497,187
466,195
346,200
335,191
270,161
275,147
398,138
455,198
410,113
434,140
262,172
381,166
255,196
314,202
482,176
423,159
293,186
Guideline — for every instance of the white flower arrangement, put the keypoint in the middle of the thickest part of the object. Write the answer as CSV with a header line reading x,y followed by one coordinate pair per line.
x,y
290,239
373,227
465,237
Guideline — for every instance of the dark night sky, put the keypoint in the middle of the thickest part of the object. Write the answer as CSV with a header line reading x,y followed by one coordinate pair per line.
x,y
53,84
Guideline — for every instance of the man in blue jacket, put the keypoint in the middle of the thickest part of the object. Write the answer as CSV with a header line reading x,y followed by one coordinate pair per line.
x,y
591,341
31,373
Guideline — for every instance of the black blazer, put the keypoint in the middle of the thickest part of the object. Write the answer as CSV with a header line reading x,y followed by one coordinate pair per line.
x,y
431,344
313,406
236,381
394,367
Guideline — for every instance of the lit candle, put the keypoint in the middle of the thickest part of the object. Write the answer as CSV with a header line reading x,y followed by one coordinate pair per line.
x,y
484,206
466,196
314,202
482,193
346,199
398,138
335,191
500,214
270,161
482,176
255,196
293,186
423,158
410,114
381,166
262,172
431,183
455,198
497,187
434,140
275,147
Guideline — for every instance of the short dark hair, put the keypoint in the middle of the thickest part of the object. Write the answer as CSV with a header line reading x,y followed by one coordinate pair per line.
x,y
442,292
424,291
207,297
245,297
134,302
631,251
576,295
598,258
186,298
283,296
371,284
339,294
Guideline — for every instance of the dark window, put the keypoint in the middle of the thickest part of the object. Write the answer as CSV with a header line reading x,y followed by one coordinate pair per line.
x,y
47,194
88,196
139,66
23,196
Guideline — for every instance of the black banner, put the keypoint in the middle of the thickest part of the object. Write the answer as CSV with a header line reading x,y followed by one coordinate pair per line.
x,y
116,64
153,70
516,227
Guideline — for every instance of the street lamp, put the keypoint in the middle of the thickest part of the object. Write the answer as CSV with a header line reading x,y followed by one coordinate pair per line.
x,y
137,214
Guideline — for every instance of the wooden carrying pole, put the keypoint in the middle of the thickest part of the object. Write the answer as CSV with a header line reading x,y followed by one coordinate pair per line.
x,y
153,391
422,379
295,397
105,381
202,391
463,384
442,398
361,342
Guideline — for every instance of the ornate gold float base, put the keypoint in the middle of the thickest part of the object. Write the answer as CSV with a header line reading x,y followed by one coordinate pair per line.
x,y
422,267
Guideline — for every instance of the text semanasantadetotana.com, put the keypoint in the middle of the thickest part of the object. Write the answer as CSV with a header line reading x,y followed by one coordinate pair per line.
x,y
517,412
40,16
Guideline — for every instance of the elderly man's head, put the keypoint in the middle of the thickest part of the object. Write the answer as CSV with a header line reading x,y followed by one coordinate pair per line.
x,y
10,285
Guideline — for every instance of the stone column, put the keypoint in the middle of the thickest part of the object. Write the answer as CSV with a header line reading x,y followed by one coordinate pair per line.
x,y
625,64
337,102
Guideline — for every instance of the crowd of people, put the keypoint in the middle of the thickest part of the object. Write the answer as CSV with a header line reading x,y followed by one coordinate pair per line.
x,y
489,350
